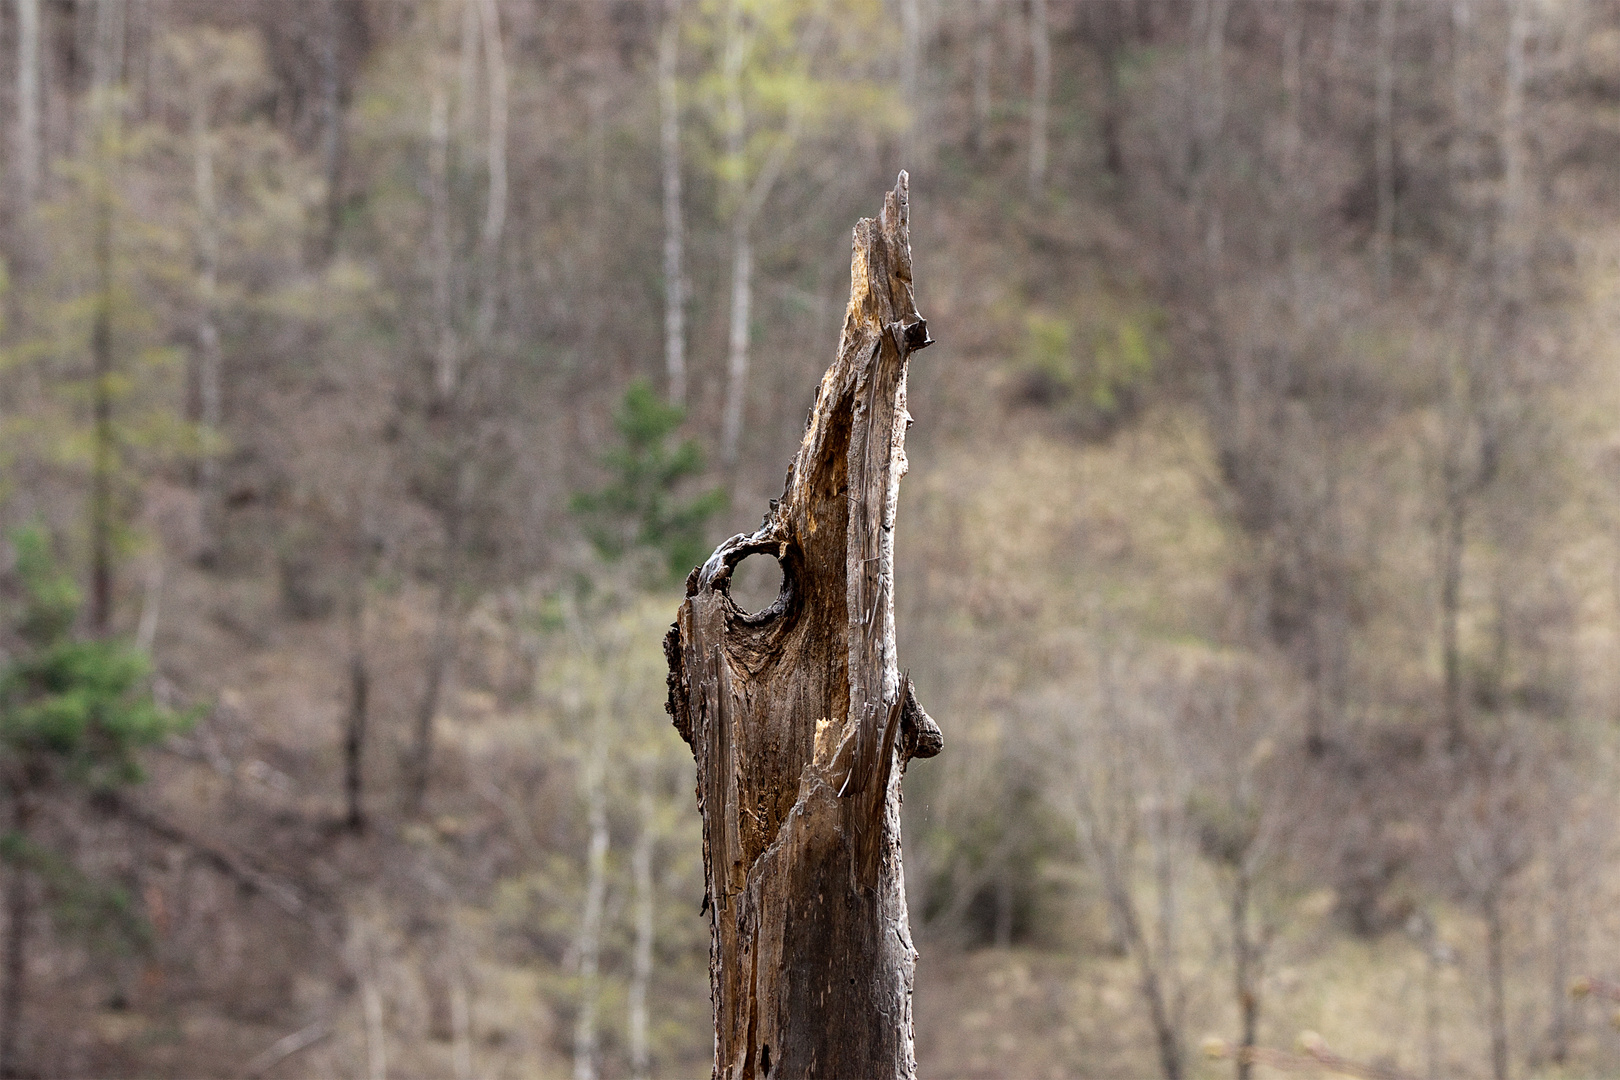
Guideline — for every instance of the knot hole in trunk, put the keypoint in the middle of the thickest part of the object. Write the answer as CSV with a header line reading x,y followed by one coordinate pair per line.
x,y
758,586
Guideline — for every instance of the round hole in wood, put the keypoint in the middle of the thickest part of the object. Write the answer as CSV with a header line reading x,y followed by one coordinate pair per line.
x,y
755,583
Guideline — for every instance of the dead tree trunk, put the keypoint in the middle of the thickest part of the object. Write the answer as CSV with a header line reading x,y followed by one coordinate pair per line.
x,y
802,723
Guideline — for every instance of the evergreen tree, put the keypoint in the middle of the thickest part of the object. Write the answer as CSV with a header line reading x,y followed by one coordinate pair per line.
x,y
639,506
74,713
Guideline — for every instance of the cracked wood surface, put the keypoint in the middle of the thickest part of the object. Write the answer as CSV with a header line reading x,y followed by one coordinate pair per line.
x,y
802,723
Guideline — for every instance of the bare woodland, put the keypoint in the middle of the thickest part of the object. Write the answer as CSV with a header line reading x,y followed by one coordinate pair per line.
x,y
372,375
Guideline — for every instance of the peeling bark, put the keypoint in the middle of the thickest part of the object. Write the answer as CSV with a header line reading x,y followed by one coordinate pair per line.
x,y
802,724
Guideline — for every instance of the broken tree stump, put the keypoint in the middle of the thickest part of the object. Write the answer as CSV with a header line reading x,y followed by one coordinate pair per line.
x,y
802,723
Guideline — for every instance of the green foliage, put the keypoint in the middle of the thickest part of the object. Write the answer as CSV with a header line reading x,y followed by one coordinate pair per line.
x,y
51,598
786,71
80,905
1101,381
75,706
1048,351
1122,359
639,508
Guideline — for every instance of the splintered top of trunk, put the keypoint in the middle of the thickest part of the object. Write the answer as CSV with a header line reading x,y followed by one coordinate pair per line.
x,y
832,532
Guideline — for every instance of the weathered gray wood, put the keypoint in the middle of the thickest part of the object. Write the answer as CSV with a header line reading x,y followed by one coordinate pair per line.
x,y
802,723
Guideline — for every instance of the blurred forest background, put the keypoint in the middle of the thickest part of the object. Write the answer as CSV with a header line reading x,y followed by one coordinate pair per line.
x,y
372,373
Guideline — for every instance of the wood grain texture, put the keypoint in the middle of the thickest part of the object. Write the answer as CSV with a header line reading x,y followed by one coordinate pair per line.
x,y
802,723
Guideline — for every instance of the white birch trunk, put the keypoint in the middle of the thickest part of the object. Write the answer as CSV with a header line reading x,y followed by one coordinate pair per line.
x,y
331,126
1293,141
209,360
28,155
460,1025
742,275
910,60
495,212
1461,104
641,970
376,1053
467,65
1510,259
590,928
146,628
1040,42
742,254
446,372
1213,135
674,261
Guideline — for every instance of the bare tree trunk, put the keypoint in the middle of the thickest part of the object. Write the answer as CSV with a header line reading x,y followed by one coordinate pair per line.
x,y
331,128
910,90
983,46
674,260
1213,136
447,367
471,34
1164,873
1513,227
151,602
1431,1006
495,209
1161,1012
1494,977
1384,146
441,649
1453,520
1245,973
209,362
28,152
361,555
1563,900
1109,823
107,64
1002,933
742,252
1109,865
1109,47
1293,141
802,724
103,453
376,1050
590,925
742,280
1040,44
460,1023
641,967
447,379
747,200
354,736
18,913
